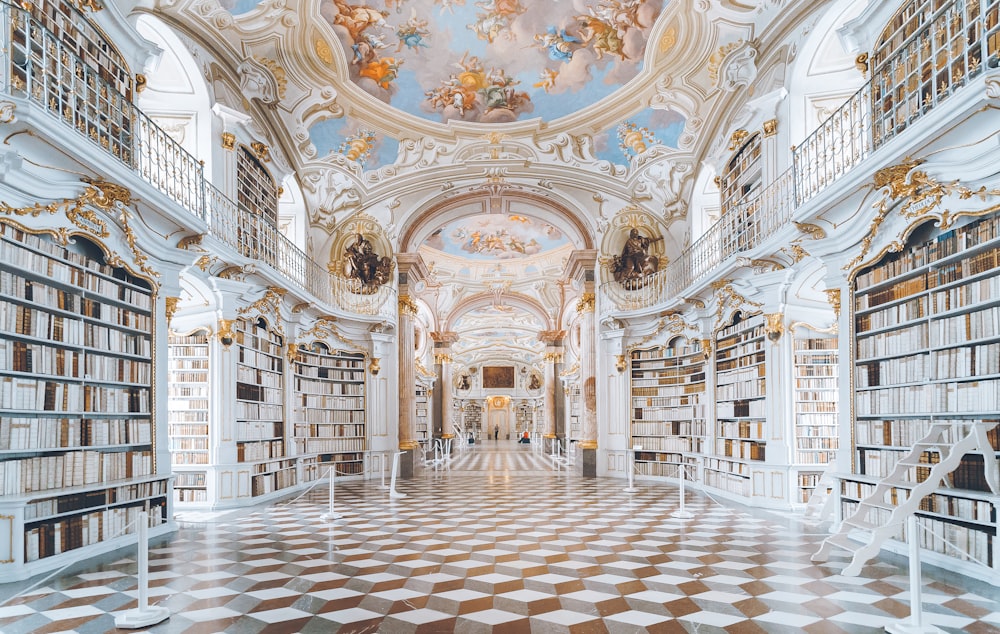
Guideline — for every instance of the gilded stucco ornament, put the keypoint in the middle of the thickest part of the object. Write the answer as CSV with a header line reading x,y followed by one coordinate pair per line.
x,y
170,307
923,195
268,306
813,231
228,141
374,366
360,262
193,240
833,298
774,326
770,128
728,301
620,362
759,265
235,272
293,349
586,304
407,306
7,109
205,262
225,332
261,151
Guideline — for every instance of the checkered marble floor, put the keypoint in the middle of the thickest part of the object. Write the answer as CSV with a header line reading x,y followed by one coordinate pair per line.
x,y
495,551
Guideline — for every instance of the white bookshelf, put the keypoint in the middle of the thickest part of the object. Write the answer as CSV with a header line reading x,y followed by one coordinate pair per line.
x,y
668,408
188,397
816,400
422,422
330,407
740,402
77,441
927,354
260,415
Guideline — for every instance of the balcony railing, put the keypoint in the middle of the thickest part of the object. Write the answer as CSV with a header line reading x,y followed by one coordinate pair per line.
x,y
958,40
44,70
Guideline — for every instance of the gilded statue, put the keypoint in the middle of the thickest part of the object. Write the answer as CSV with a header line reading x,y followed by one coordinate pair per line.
x,y
363,264
635,262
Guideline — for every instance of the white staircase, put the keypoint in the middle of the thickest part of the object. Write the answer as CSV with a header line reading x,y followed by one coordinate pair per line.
x,y
820,503
900,492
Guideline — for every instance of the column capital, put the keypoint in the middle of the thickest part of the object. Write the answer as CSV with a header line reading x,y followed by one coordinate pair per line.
x,y
587,303
413,267
407,306
442,358
552,337
444,338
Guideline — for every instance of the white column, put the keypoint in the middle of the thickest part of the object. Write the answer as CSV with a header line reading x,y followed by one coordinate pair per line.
x,y
407,375
588,372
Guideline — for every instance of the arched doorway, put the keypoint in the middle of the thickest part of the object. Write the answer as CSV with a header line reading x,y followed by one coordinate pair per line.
x,y
499,416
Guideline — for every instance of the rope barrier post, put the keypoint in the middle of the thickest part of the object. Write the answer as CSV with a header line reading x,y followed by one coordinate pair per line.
x,y
393,493
916,624
682,512
144,615
631,469
332,513
382,468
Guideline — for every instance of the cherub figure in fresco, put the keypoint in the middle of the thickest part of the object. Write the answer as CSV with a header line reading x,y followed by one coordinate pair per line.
x,y
411,34
358,17
548,79
559,44
488,26
622,15
382,71
366,49
448,5
604,37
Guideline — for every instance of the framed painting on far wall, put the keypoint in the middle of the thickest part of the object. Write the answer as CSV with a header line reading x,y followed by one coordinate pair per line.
x,y
498,377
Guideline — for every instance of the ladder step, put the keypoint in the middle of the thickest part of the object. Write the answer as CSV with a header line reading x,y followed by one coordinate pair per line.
x,y
841,541
862,524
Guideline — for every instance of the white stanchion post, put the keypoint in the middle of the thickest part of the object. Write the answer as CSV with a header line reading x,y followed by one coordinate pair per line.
x,y
382,467
393,493
631,469
144,615
332,513
916,624
682,512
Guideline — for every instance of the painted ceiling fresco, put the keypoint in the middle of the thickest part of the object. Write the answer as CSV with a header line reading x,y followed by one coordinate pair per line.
x,y
496,236
490,61
497,326
354,140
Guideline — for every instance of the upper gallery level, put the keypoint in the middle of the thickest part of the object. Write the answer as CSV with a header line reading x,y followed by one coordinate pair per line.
x,y
264,178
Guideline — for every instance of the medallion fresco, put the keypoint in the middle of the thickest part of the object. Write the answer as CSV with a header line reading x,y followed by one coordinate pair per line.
x,y
490,61
496,236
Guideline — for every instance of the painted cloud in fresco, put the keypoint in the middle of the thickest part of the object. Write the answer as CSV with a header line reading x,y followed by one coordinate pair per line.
x,y
633,136
352,139
489,60
490,236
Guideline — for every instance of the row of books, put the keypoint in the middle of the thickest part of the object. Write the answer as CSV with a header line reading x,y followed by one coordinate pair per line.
x,y
815,457
739,375
829,395
672,385
259,393
21,393
190,416
253,412
906,288
962,363
75,468
260,341
259,430
188,398
968,396
815,407
743,408
752,350
669,443
186,355
319,386
969,294
958,330
680,413
802,344
321,416
825,369
256,375
251,358
826,426
750,430
180,376
39,358
321,445
727,481
315,359
665,470
189,458
752,328
675,400
652,456
74,502
45,297
741,449
40,434
323,402
728,466
653,369
53,538
190,479
693,347
311,372
893,342
270,482
189,444
260,450
747,389
190,495
304,430
16,244
915,308
814,383
910,369
668,428
803,443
